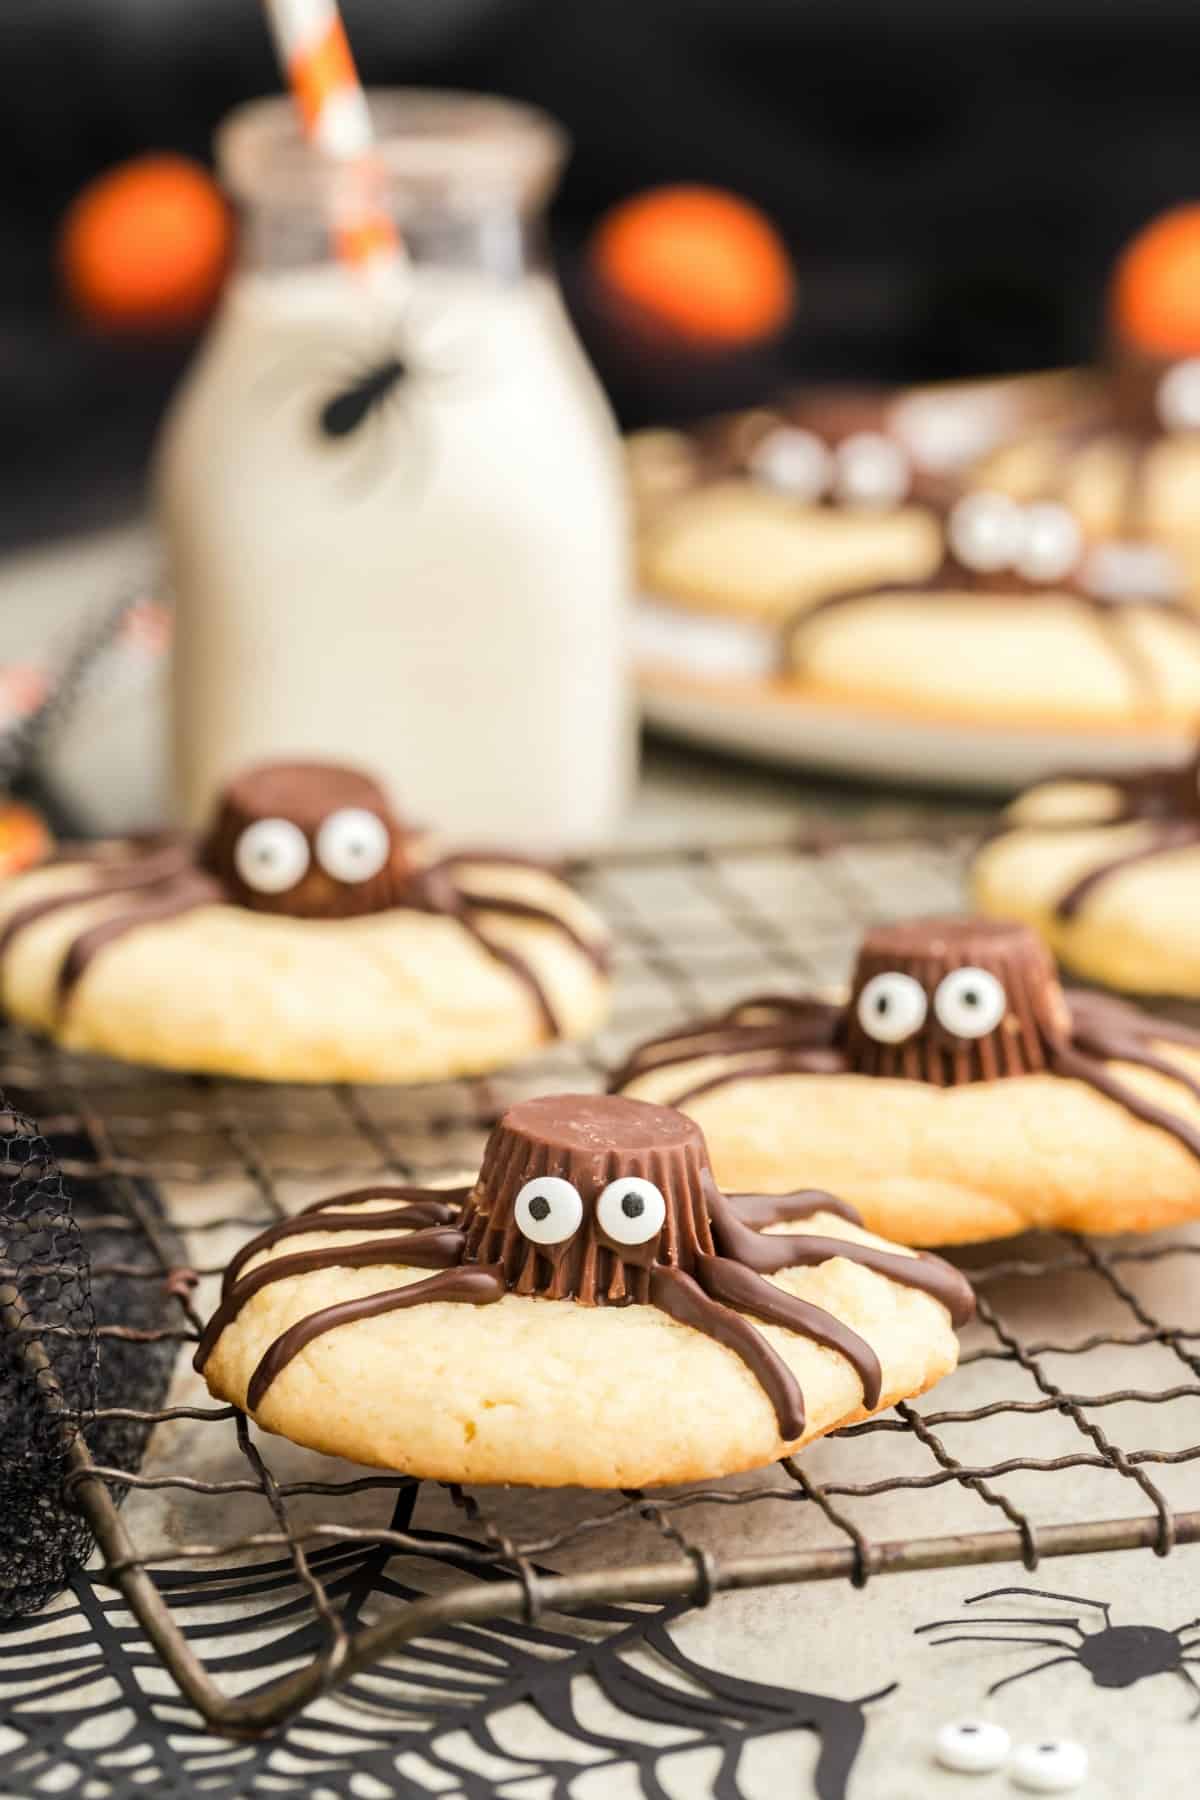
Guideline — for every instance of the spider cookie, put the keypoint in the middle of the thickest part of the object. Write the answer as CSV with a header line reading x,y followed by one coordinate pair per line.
x,y
1108,870
1131,468
598,1314
308,935
743,522
1022,623
961,1094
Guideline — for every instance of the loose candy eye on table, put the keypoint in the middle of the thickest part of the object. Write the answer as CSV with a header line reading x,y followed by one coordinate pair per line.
x,y
1050,1766
972,1746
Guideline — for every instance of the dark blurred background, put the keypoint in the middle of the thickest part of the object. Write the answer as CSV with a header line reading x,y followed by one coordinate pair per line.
x,y
953,177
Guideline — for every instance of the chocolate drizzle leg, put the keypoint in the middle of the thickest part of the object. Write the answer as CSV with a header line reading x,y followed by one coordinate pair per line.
x,y
641,1223
1164,798
682,1298
1167,837
350,857
466,1286
768,1253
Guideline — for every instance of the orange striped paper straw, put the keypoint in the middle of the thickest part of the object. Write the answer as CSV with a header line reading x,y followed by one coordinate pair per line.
x,y
315,55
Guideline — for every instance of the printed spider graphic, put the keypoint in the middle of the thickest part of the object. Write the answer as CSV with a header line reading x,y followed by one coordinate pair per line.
x,y
1116,1656
305,840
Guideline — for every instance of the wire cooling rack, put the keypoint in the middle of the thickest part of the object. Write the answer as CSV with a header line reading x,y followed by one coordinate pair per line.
x,y
1072,1425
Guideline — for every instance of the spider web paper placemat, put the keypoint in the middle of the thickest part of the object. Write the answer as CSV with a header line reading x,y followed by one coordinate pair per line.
x,y
1072,1425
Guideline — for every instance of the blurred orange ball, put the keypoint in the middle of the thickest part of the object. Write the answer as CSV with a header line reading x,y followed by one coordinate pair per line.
x,y
1156,286
24,838
144,246
704,263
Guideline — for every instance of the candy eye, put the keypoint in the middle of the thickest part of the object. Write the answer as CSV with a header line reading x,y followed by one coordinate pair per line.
x,y
969,1002
871,471
985,532
548,1210
891,1007
271,856
631,1211
1051,545
794,461
1054,1766
353,844
1178,398
972,1746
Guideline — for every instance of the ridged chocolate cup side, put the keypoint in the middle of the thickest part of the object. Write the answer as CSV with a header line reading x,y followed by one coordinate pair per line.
x,y
589,1140
306,794
1034,1019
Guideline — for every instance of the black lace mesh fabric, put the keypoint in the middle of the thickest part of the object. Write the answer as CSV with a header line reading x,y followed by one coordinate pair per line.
x,y
48,1367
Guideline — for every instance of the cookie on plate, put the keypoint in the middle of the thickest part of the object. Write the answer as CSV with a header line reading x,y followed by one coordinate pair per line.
x,y
1023,624
1130,468
309,935
960,1094
592,1311
746,520
1107,869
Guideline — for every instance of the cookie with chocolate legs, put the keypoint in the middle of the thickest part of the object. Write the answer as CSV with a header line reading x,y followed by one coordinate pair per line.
x,y
960,1094
1022,624
747,519
592,1311
1130,470
309,935
1107,868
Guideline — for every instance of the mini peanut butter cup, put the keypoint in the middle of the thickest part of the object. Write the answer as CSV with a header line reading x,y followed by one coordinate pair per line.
x,y
990,1005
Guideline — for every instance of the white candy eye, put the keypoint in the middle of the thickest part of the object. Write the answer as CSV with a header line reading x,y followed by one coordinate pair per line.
x,y
969,1002
1054,1766
1178,397
1051,542
972,1746
871,471
891,1007
353,844
271,856
985,532
631,1211
794,461
548,1210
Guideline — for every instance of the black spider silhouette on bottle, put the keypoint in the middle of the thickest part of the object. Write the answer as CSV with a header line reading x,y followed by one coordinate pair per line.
x,y
353,404
1116,1656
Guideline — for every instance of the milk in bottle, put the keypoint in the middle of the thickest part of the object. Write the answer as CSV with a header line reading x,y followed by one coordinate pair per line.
x,y
393,507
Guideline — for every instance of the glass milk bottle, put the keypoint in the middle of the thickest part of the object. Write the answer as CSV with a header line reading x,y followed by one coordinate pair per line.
x,y
393,506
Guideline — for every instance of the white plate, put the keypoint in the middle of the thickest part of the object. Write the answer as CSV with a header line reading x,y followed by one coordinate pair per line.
x,y
764,721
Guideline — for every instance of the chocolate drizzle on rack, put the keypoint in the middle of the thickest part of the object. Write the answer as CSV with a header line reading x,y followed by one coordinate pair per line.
x,y
703,1261
305,816
981,1002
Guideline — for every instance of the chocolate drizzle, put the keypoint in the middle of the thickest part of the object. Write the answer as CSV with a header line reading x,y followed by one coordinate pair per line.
x,y
476,1286
1043,1028
705,1265
162,879
1163,797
